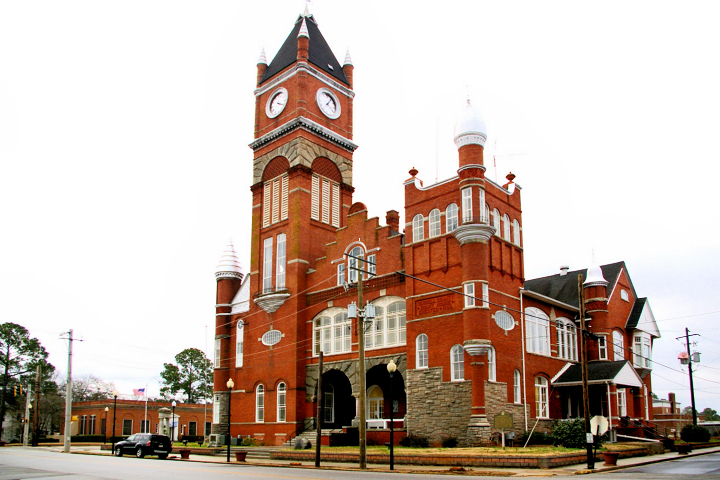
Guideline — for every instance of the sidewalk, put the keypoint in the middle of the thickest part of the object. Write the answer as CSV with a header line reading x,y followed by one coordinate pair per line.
x,y
515,472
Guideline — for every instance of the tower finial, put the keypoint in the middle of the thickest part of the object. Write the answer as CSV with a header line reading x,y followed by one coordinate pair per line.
x,y
348,60
303,30
306,13
262,60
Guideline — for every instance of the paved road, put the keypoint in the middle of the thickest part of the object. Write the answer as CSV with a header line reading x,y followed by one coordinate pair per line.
x,y
700,467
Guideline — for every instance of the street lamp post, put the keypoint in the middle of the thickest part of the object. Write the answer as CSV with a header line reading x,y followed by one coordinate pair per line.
x,y
112,437
391,370
230,385
105,426
172,423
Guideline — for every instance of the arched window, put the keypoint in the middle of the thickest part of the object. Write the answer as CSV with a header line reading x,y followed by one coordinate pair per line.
x,y
451,218
618,346
517,393
467,204
541,398
331,332
537,331
434,223
516,232
354,263
239,343
329,404
388,328
281,401
421,351
496,221
375,403
506,228
457,363
492,367
486,217
260,404
567,339
418,228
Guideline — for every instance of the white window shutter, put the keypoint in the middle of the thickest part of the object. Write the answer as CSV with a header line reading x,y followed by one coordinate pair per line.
x,y
284,198
267,199
315,198
335,205
326,201
276,201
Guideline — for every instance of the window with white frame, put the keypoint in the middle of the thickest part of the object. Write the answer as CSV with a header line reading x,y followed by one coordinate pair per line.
x,y
418,228
602,347
451,218
642,351
506,227
260,404
91,428
491,360
239,343
517,389
83,425
267,264
281,401
467,204
325,200
481,202
496,221
216,409
516,232
370,266
469,290
388,328
457,363
566,339
541,398
537,331
624,295
618,346
217,353
485,295
375,402
275,200
486,214
434,223
332,332
341,273
621,402
280,263
355,262
421,351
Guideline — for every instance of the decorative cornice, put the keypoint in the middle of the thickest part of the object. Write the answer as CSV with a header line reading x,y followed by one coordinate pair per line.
x,y
477,347
474,233
302,66
308,125
470,139
220,275
272,301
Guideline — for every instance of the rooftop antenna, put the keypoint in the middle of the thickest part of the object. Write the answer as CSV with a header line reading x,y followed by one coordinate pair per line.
x,y
437,160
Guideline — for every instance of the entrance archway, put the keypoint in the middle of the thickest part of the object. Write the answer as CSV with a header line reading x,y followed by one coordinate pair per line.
x,y
379,377
338,402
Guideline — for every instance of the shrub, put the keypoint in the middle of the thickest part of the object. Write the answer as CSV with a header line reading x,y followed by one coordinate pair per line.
x,y
537,438
416,441
449,442
570,433
695,433
249,442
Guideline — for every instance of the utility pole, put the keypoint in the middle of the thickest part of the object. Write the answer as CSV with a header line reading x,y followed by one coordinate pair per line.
x,y
26,426
68,396
692,387
36,411
583,362
361,367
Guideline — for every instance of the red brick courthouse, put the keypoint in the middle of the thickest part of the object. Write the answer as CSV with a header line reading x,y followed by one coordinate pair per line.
x,y
498,343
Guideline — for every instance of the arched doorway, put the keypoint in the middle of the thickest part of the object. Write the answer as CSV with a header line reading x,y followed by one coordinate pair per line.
x,y
338,402
378,393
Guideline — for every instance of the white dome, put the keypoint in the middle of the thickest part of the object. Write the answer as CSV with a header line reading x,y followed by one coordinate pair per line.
x,y
470,127
229,266
594,276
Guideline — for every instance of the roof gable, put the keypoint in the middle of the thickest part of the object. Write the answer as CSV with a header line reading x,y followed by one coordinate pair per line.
x,y
642,318
618,373
319,53
564,288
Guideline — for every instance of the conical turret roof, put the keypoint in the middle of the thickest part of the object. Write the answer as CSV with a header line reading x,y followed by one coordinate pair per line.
x,y
229,266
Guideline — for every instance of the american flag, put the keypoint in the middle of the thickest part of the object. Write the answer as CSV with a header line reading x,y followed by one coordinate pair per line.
x,y
138,391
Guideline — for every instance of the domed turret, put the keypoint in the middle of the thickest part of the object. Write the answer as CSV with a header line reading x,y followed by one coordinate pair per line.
x,y
470,127
595,276
229,266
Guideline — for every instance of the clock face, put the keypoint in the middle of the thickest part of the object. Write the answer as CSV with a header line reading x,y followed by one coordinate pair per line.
x,y
276,103
328,103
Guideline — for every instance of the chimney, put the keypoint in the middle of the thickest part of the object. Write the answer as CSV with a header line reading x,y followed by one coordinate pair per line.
x,y
563,270
392,220
671,397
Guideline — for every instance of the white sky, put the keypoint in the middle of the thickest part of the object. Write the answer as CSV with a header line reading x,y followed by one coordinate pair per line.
x,y
124,164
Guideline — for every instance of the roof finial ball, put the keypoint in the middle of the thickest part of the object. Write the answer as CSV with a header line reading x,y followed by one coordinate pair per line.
x,y
470,135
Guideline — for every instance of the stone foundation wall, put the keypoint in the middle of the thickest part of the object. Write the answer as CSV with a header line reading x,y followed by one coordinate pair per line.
x,y
496,402
222,427
435,408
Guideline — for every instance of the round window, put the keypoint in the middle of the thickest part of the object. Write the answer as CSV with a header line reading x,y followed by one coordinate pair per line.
x,y
504,320
271,337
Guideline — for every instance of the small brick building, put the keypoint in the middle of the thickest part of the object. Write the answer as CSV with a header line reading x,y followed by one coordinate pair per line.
x,y
470,335
96,418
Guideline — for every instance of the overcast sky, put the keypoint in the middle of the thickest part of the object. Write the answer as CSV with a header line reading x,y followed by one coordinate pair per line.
x,y
124,164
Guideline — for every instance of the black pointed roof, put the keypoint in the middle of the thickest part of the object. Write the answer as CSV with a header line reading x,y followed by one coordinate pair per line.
x,y
597,371
564,288
319,53
635,313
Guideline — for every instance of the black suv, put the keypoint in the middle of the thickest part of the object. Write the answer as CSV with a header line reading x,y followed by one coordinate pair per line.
x,y
142,444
